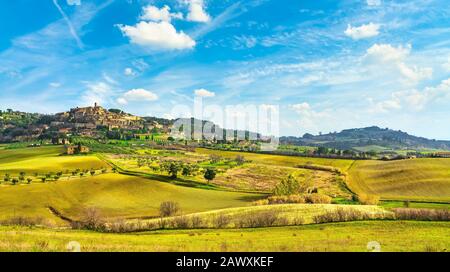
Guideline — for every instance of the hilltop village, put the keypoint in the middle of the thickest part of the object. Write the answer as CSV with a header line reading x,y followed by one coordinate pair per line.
x,y
93,121
86,121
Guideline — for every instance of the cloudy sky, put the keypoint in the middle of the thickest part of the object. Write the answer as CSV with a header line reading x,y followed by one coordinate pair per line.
x,y
329,65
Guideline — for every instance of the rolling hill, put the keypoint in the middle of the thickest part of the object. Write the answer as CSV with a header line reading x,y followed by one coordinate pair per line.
x,y
377,138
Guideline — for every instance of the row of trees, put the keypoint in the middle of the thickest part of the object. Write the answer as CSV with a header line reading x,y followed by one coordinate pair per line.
x,y
22,177
173,168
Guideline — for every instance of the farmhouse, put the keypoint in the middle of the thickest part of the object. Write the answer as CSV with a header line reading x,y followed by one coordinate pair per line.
x,y
77,149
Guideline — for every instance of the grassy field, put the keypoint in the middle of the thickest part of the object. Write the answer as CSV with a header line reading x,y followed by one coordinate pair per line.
x,y
43,160
113,194
285,214
350,236
418,179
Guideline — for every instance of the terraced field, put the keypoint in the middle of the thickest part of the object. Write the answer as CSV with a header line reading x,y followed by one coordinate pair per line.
x,y
417,179
263,177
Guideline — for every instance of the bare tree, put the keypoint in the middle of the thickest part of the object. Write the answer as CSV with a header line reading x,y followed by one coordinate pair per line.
x,y
168,208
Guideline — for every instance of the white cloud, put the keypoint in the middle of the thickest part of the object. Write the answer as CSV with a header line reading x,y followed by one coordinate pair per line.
x,y
55,84
204,93
162,35
374,2
415,73
122,101
446,65
129,72
168,116
413,100
302,107
311,120
363,31
96,92
73,2
387,55
137,95
197,11
152,13
109,79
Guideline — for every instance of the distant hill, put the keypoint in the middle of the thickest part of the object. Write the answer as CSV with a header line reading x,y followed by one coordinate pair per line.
x,y
359,138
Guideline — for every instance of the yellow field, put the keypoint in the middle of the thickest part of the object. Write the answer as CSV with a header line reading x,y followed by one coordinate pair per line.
x,y
418,179
44,159
115,195
350,236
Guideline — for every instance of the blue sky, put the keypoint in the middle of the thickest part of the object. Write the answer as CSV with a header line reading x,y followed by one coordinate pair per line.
x,y
328,65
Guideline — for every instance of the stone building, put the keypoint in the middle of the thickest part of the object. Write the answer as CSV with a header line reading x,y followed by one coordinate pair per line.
x,y
77,149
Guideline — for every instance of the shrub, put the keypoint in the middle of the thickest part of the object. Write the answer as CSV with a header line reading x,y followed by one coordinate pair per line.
x,y
349,214
297,221
24,221
215,158
299,199
163,223
422,214
240,160
168,208
122,226
180,222
261,202
277,199
119,226
294,199
221,221
282,221
91,220
258,220
196,222
317,199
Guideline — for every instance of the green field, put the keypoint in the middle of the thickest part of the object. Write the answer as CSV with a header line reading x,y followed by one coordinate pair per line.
x,y
114,195
417,179
350,236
